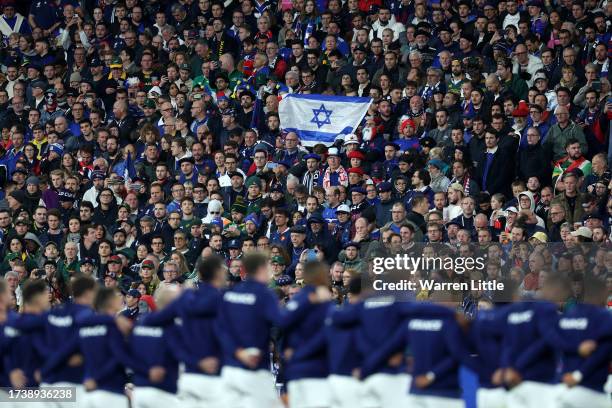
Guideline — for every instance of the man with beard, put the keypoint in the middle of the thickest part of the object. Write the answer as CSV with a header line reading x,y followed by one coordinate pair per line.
x,y
317,72
312,177
543,206
146,165
245,113
221,42
594,123
385,20
392,69
573,160
123,121
234,190
113,153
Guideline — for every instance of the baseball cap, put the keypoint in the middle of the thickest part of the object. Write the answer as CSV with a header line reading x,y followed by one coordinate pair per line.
x,y
384,187
298,229
538,76
343,208
133,293
114,259
351,244
148,264
87,261
278,259
583,232
332,151
539,236
234,244
456,187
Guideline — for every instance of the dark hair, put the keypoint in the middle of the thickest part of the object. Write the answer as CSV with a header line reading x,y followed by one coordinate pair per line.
x,y
209,267
103,297
253,262
570,141
32,289
81,285
316,273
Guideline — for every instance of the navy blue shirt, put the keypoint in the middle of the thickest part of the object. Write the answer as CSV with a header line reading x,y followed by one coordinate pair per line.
x,y
248,312
303,323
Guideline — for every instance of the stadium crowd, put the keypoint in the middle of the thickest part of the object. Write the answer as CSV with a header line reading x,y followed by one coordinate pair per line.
x,y
141,148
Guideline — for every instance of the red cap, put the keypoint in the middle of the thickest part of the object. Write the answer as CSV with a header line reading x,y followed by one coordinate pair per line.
x,y
115,258
522,110
357,170
355,154
147,263
407,122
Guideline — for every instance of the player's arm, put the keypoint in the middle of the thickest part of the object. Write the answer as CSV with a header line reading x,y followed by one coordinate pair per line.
x,y
599,357
395,344
177,347
313,346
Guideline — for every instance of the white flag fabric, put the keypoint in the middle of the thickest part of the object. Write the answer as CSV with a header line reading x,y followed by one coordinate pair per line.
x,y
321,118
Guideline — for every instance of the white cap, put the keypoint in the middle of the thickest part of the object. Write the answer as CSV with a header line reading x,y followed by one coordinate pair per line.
x,y
512,209
332,151
155,89
351,138
343,208
583,232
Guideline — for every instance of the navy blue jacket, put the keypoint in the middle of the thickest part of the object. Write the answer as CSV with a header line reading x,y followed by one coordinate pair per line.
x,y
61,342
195,314
584,322
438,346
24,345
4,351
377,319
106,353
248,312
303,324
486,338
343,356
154,346
524,347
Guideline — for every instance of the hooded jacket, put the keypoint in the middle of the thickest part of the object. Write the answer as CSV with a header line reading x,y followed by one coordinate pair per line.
x,y
532,205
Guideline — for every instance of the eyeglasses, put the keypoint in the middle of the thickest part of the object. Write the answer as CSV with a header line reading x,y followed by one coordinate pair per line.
x,y
215,212
169,271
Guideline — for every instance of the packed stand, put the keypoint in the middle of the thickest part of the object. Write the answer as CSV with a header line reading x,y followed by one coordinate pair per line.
x,y
139,139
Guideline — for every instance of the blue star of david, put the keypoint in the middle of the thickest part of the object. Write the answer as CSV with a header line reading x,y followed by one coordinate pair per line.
x,y
321,111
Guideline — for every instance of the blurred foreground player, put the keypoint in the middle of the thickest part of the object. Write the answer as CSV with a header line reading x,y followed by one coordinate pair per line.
x,y
247,314
64,364
199,348
104,353
23,333
584,336
342,353
155,346
306,353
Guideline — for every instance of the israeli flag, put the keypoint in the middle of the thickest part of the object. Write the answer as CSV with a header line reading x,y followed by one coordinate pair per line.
x,y
320,118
